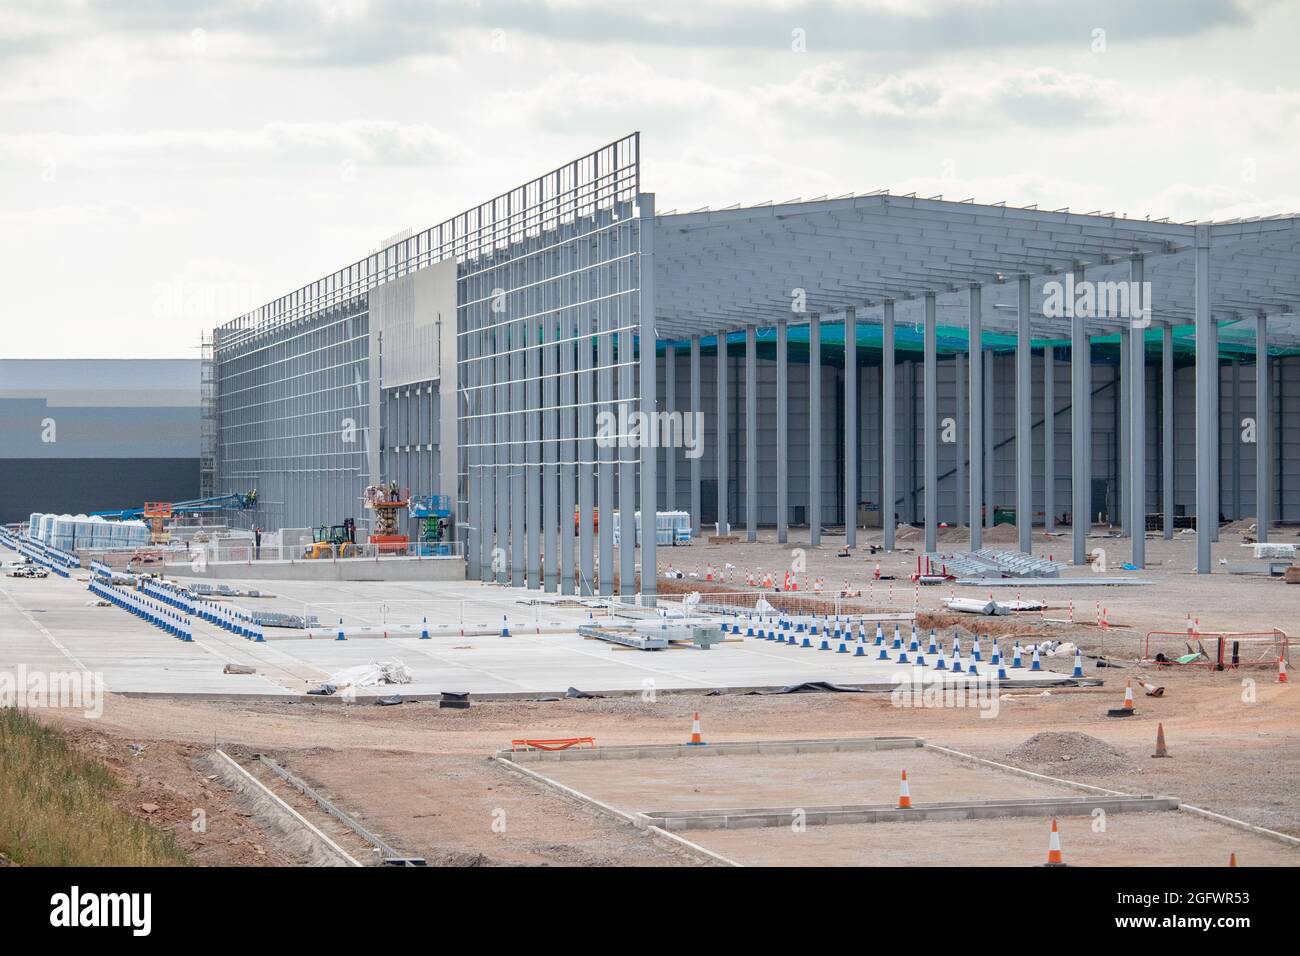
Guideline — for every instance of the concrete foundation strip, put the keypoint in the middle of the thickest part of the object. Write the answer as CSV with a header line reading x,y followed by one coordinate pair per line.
x,y
503,760
245,780
721,749
884,813
388,852
1185,807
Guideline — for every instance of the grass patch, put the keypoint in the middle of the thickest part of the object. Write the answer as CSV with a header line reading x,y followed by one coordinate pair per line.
x,y
55,806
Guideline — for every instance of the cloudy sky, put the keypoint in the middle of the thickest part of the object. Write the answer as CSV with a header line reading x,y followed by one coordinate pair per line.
x,y
168,164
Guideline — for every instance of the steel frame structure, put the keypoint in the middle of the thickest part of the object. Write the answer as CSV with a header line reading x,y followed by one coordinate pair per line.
x,y
568,285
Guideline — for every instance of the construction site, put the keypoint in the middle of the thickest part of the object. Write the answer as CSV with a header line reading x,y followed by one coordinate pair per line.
x,y
868,531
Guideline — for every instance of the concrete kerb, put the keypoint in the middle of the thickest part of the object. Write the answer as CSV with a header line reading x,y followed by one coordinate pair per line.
x,y
632,819
720,749
285,818
883,813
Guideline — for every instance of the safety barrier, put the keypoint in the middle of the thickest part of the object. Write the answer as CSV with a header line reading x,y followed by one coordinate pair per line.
x,y
1224,649
153,612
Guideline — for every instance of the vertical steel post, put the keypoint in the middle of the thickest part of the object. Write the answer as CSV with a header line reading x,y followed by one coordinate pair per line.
x,y
814,429
782,431
888,422
850,428
1207,368
975,352
931,413
1263,432
1024,420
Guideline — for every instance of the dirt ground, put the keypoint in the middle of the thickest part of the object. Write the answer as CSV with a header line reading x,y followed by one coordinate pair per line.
x,y
420,775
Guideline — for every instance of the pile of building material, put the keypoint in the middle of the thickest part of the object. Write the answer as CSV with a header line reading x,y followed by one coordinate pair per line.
x,y
988,563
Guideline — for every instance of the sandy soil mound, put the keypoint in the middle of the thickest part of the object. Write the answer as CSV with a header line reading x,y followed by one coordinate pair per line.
x,y
1068,752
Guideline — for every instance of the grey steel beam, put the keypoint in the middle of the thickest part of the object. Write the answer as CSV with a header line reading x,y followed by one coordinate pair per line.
x,y
751,433
959,420
850,427
486,457
1167,429
782,431
1024,420
605,454
1216,412
888,420
502,417
1080,430
518,436
550,452
1263,432
586,452
533,452
1122,405
629,458
649,380
931,402
1206,367
468,375
990,438
814,429
1049,438
568,452
724,443
1137,429
1236,440
670,406
697,417
975,351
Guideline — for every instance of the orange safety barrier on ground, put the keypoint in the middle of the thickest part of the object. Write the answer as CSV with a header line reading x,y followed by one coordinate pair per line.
x,y
563,743
1227,649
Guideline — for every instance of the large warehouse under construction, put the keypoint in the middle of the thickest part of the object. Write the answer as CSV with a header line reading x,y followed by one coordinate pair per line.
x,y
838,365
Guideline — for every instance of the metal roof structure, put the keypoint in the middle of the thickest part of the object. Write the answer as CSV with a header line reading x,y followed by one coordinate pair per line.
x,y
724,269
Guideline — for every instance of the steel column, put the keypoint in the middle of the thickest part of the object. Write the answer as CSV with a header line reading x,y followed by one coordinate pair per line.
x,y
990,438
1049,438
629,458
550,454
975,351
1167,430
888,439
1024,420
697,418
931,401
646,338
1080,430
533,450
670,406
568,451
751,432
1207,512
959,420
814,429
850,428
724,444
782,431
1263,432
586,453
1137,429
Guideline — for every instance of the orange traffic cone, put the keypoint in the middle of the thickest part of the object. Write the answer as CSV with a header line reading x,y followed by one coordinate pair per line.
x,y
1054,847
1232,859
904,798
696,740
1127,709
1161,749
1281,671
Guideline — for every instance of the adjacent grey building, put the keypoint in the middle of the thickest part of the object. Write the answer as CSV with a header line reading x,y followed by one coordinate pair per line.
x,y
82,435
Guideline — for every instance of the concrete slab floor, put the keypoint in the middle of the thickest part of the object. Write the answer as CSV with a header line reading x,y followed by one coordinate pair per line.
x,y
50,623
1168,838
784,780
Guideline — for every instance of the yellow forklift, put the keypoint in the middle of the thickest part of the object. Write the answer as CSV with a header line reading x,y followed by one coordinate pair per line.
x,y
331,541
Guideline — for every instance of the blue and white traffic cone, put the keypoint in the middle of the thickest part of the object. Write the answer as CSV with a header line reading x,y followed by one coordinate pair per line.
x,y
341,636
915,645
424,629
505,626
1037,664
956,660
880,634
259,637
1078,663
996,658
898,641
1015,656
940,664
975,651
932,649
